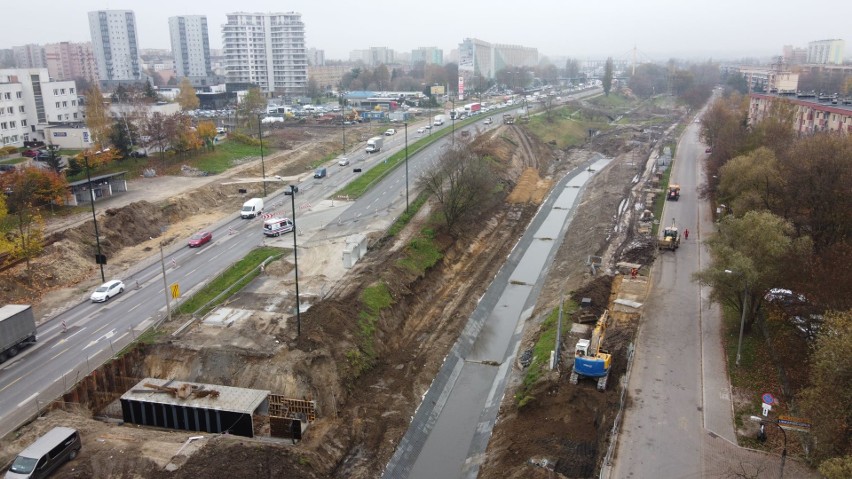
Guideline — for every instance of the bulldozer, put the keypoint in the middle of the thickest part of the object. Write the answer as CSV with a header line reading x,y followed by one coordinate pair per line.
x,y
590,360
674,192
670,239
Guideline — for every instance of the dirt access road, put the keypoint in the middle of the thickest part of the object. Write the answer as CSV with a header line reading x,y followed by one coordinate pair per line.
x,y
364,412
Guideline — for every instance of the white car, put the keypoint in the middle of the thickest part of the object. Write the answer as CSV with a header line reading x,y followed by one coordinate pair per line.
x,y
390,132
107,291
343,161
421,130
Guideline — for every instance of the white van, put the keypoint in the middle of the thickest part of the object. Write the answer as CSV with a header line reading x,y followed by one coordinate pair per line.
x,y
44,456
277,226
252,208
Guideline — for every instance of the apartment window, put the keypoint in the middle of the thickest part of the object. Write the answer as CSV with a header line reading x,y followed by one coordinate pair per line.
x,y
11,110
73,102
23,123
55,91
4,125
21,109
8,96
18,94
57,104
12,124
65,104
71,90
75,116
63,91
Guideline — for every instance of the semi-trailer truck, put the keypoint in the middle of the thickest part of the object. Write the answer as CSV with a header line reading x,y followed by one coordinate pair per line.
x,y
17,329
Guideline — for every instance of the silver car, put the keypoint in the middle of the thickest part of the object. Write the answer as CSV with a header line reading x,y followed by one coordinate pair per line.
x,y
107,291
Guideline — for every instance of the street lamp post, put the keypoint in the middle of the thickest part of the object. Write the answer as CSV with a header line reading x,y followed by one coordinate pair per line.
x,y
262,165
742,318
453,118
295,261
343,122
763,421
406,167
165,283
99,258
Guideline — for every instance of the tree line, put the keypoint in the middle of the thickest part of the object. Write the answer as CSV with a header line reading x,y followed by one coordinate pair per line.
x,y
785,208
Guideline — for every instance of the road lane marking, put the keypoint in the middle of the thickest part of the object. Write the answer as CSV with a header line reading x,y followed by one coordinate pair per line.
x,y
25,401
11,383
66,338
102,327
131,309
189,273
59,354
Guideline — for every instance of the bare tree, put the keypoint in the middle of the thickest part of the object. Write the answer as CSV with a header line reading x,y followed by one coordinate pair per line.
x,y
462,183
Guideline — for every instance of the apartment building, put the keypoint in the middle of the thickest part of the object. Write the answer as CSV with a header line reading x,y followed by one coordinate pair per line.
x,y
29,56
478,57
116,46
826,52
268,50
69,60
316,57
191,48
427,55
810,114
30,101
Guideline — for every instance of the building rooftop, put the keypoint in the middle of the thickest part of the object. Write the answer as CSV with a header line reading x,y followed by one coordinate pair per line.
x,y
229,398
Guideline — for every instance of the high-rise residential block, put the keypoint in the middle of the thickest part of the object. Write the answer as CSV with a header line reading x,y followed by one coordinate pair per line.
x,y
116,46
191,48
69,60
266,49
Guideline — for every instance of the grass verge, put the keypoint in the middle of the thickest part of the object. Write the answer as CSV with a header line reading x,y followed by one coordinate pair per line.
x,y
405,217
374,299
541,352
234,278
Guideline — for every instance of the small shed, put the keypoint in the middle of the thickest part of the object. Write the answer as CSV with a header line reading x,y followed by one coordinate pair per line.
x,y
193,406
103,186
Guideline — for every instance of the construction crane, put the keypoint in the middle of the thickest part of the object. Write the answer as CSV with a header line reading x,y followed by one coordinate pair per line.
x,y
590,361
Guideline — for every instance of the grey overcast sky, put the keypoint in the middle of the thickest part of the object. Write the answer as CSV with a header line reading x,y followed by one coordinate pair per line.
x,y
659,29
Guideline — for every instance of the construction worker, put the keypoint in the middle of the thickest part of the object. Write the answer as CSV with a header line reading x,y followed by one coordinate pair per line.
x,y
686,234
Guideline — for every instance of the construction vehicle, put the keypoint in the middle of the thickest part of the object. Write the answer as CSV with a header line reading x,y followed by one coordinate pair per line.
x,y
508,119
590,361
670,239
674,192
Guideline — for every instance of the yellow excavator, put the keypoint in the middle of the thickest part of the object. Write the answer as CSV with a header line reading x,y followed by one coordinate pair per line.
x,y
670,239
590,360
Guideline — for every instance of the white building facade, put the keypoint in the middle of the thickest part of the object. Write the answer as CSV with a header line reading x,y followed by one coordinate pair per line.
x,y
826,52
115,45
191,48
30,101
266,49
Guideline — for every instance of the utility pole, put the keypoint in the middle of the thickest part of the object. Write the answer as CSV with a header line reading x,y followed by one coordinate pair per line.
x,y
100,258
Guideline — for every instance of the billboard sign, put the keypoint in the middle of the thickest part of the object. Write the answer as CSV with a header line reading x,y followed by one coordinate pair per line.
x,y
461,88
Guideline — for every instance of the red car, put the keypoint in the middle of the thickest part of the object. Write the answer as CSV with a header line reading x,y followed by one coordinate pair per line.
x,y
199,239
30,153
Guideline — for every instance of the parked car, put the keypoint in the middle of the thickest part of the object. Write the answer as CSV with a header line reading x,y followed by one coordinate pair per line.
x,y
200,238
30,153
294,189
421,130
138,154
107,291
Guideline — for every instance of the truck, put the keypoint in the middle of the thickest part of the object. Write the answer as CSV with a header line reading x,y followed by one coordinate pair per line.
x,y
674,192
252,208
439,120
508,119
374,144
590,360
17,329
472,108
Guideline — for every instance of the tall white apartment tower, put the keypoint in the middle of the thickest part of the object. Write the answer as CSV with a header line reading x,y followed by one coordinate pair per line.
x,y
116,46
191,48
266,49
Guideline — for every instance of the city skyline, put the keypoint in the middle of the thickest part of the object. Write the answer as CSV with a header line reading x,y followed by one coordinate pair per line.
x,y
658,29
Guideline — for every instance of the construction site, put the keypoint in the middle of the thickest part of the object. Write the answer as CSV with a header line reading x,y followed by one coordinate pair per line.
x,y
276,404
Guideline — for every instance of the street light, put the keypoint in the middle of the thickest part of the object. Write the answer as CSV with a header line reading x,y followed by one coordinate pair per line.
x,y
295,260
165,283
262,165
763,421
100,259
453,118
742,319
406,166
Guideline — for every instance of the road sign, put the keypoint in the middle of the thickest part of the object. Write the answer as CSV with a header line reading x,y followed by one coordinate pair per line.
x,y
175,288
768,398
794,423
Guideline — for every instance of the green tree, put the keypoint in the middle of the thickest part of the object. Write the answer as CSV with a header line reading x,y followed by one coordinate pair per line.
x,y
754,248
28,189
186,98
207,133
752,182
150,93
827,401
607,78
7,245
121,137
